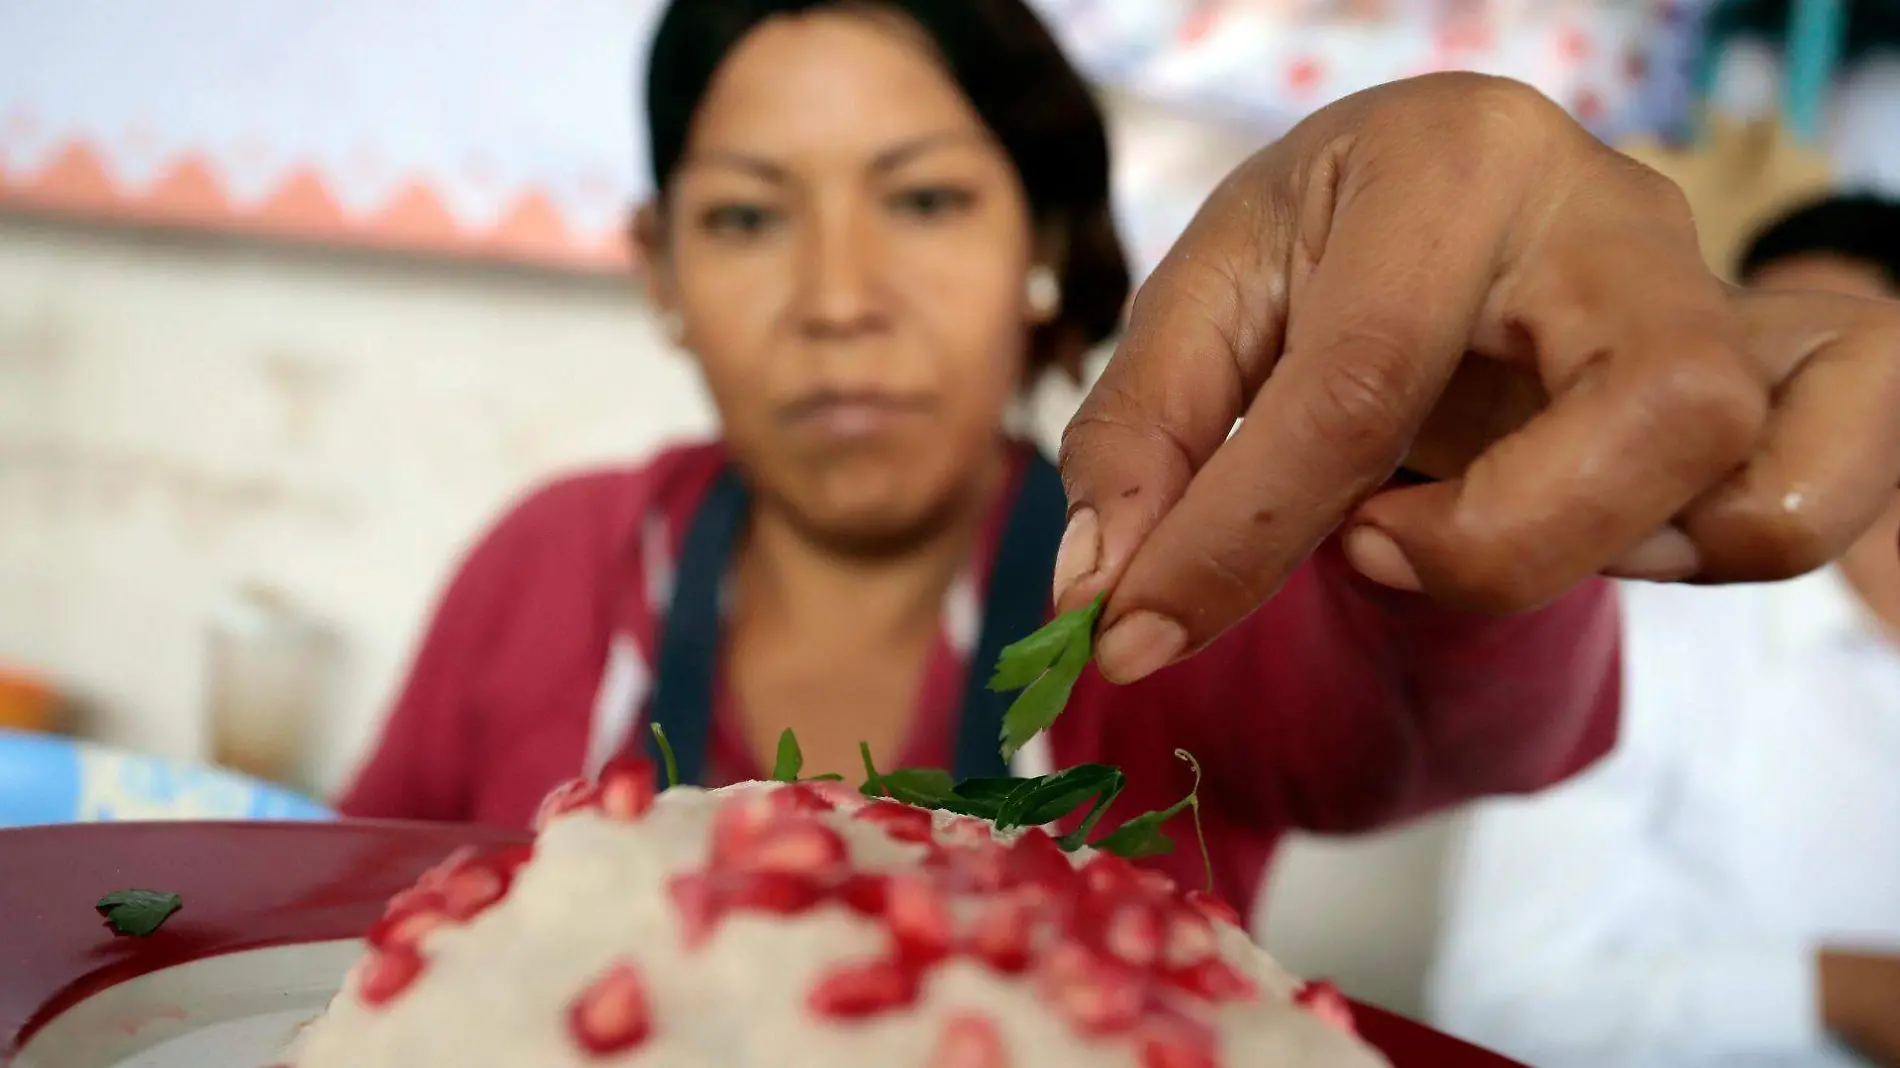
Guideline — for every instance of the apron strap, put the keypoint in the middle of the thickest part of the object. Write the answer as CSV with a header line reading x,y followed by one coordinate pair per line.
x,y
1015,605
688,665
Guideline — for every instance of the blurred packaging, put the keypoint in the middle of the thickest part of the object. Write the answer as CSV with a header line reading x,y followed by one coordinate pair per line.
x,y
26,703
268,678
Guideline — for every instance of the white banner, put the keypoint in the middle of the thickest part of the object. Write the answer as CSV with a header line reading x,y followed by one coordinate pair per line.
x,y
507,129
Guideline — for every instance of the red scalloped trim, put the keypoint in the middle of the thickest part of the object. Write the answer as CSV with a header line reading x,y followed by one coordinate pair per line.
x,y
191,194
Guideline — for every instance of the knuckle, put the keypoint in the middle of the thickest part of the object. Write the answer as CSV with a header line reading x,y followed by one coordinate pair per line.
x,y
1663,200
1706,395
1497,118
1364,395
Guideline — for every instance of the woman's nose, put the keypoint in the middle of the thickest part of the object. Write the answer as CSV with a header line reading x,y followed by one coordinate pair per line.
x,y
841,294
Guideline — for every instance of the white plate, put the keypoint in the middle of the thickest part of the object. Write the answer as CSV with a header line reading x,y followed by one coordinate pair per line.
x,y
240,1010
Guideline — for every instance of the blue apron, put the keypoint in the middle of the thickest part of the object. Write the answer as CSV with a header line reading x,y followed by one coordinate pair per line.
x,y
1017,604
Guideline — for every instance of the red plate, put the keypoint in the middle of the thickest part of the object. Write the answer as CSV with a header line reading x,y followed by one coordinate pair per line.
x,y
252,886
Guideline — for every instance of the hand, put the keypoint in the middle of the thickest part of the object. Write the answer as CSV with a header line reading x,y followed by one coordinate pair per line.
x,y
1449,273
1860,1002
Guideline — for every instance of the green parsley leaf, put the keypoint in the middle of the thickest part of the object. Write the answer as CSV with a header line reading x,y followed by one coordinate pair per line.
x,y
1048,663
923,787
873,783
1040,801
928,787
1023,662
983,798
790,759
988,790
138,912
829,776
1077,838
666,756
1141,837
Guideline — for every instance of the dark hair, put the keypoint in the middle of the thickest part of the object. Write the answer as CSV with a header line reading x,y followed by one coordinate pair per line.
x,y
1861,227
1020,83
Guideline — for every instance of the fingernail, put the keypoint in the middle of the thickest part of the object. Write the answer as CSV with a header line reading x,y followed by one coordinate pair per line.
x,y
1139,645
1375,555
1665,556
1080,552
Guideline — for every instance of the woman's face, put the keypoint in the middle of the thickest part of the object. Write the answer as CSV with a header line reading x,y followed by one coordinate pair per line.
x,y
846,247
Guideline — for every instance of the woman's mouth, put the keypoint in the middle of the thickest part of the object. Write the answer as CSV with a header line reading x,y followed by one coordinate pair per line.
x,y
854,414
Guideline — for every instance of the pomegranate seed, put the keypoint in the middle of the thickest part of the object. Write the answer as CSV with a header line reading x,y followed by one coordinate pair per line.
x,y
1213,979
406,930
801,798
1170,1038
387,972
918,919
784,893
866,895
1190,939
469,891
842,797
1002,934
435,877
1036,859
1133,933
1156,883
902,822
627,789
1212,907
509,858
1324,1000
415,899
968,831
851,991
979,869
570,796
802,847
1098,996
740,823
611,1016
1106,873
970,1041
697,906
1177,1051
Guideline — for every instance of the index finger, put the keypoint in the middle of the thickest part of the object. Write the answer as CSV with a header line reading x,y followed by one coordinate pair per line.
x,y
1380,316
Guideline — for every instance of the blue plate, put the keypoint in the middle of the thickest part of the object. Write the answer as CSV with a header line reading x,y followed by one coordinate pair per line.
x,y
47,779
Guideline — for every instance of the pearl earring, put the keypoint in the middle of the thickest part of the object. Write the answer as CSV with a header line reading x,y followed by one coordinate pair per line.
x,y
1043,290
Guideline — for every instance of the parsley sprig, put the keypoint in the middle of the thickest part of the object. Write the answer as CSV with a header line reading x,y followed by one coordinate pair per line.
x,y
1034,801
1045,667
138,912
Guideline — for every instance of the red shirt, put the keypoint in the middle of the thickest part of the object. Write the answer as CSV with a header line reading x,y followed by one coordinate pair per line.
x,y
1339,706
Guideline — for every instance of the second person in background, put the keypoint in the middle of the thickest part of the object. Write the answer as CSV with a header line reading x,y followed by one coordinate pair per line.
x,y
1725,888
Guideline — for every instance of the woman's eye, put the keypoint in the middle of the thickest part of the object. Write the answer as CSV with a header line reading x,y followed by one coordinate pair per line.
x,y
928,202
738,220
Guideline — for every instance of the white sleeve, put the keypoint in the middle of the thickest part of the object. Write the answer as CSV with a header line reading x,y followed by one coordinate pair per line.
x,y
1577,932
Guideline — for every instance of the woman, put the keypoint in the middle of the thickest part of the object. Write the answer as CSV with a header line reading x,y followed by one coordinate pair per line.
x,y
876,222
